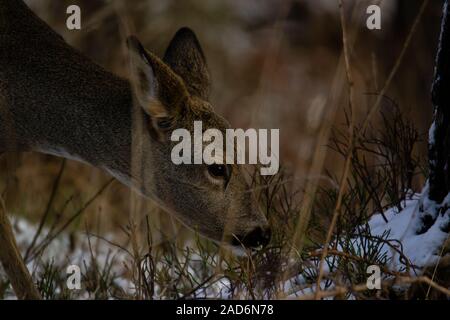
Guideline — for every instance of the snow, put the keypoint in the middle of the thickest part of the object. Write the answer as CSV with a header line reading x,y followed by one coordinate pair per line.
x,y
421,249
431,133
59,253
400,232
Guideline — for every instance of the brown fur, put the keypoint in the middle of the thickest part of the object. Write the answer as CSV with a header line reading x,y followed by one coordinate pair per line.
x,y
59,102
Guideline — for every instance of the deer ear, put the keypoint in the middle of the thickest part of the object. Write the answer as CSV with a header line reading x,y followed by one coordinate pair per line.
x,y
185,56
158,89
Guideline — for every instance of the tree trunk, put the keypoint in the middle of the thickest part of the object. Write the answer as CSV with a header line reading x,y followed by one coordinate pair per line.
x,y
436,198
439,135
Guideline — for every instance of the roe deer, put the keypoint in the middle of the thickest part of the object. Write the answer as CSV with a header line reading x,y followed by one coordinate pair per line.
x,y
61,103
56,101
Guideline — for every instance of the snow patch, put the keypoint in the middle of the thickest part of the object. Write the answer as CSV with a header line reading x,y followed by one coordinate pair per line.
x,y
421,249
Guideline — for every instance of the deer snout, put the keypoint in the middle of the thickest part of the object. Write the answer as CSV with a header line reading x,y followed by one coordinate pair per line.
x,y
260,236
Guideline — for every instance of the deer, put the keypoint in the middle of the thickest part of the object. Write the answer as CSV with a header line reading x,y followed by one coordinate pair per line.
x,y
56,101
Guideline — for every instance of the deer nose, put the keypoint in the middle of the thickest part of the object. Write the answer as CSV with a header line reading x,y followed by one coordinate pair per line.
x,y
256,238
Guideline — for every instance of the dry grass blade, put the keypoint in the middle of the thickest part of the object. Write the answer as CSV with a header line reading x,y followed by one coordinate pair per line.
x,y
47,209
349,155
12,261
50,237
394,70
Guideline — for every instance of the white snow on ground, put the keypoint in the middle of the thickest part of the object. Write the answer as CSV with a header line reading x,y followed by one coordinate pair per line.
x,y
59,252
421,249
400,231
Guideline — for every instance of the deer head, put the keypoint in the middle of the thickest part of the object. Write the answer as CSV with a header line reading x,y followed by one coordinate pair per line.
x,y
172,93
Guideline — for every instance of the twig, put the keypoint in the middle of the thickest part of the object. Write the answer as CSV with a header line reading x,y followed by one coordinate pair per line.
x,y
12,261
343,179
51,237
396,66
424,279
47,209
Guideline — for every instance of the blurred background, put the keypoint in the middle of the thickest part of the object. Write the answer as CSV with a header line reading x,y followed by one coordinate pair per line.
x,y
274,64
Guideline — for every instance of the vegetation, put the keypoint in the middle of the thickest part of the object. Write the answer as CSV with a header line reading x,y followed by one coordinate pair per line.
x,y
359,154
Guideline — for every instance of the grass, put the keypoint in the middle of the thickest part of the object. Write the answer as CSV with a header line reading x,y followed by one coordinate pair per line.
x,y
332,247
384,166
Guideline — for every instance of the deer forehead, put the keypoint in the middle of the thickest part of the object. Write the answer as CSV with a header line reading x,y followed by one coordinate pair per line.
x,y
201,110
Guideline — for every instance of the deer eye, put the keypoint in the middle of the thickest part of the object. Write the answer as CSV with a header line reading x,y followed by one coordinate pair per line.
x,y
217,170
164,123
219,173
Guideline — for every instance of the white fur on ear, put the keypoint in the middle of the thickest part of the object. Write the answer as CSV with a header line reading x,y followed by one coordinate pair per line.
x,y
143,79
158,89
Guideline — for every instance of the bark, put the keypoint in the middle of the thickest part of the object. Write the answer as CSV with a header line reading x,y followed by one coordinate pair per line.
x,y
439,135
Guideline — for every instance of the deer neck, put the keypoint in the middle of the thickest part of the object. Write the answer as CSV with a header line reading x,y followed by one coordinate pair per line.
x,y
89,122
54,100
73,109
